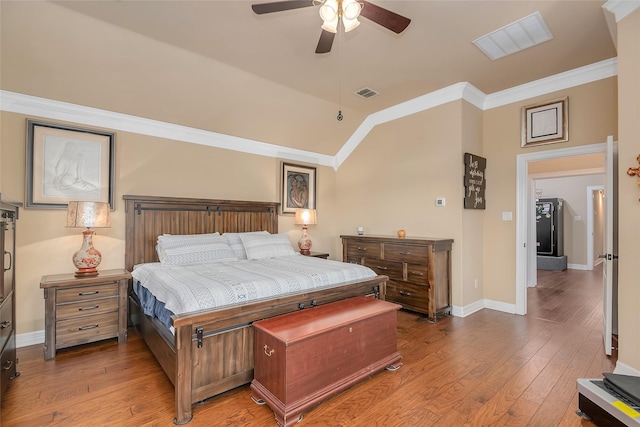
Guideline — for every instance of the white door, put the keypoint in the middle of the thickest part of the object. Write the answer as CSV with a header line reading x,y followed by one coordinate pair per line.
x,y
610,264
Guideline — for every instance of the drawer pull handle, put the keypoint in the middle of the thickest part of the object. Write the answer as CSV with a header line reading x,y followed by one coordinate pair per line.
x,y
89,308
360,248
82,294
405,253
84,328
383,268
405,293
8,365
267,351
5,324
417,273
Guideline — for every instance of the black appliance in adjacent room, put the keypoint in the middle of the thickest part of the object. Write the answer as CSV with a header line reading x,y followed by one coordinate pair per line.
x,y
549,229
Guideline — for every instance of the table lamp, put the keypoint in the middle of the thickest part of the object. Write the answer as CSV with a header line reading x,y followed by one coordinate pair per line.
x,y
305,217
89,215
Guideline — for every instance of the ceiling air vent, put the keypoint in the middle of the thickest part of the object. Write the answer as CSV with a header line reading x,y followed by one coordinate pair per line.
x,y
366,93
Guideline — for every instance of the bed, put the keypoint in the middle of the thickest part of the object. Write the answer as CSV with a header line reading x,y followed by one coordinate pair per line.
x,y
211,351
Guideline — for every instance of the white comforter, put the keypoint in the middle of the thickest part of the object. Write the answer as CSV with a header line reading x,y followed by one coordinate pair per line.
x,y
209,285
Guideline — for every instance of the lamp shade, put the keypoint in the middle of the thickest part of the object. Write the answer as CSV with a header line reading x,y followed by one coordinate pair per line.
x,y
306,216
88,214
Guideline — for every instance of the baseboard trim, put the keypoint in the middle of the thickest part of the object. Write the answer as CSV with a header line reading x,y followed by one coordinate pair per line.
x,y
30,338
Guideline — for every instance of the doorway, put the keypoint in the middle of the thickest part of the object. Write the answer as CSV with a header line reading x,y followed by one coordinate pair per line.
x,y
526,271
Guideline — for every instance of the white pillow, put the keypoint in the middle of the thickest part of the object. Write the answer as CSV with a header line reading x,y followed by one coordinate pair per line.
x,y
236,244
193,249
261,246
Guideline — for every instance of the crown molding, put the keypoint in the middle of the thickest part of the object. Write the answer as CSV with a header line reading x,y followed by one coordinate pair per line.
x,y
621,8
576,77
63,111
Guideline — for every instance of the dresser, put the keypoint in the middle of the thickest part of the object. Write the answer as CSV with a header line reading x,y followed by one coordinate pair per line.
x,y
8,361
83,310
305,357
419,269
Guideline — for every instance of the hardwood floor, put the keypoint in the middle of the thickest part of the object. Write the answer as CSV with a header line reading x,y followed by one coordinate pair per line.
x,y
488,369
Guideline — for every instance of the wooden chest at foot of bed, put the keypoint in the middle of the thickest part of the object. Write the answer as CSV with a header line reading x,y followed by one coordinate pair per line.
x,y
305,357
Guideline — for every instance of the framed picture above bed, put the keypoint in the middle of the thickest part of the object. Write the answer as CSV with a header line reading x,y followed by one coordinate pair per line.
x,y
298,188
67,163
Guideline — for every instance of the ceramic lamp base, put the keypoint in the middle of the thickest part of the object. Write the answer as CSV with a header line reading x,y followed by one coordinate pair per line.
x,y
305,242
87,258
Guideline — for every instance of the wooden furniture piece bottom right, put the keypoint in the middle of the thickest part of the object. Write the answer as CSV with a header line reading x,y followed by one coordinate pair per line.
x,y
305,357
419,269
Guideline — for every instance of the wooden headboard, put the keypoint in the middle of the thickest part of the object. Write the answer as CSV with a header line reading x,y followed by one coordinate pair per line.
x,y
147,217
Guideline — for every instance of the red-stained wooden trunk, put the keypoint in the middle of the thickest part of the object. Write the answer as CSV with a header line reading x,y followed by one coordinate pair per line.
x,y
305,357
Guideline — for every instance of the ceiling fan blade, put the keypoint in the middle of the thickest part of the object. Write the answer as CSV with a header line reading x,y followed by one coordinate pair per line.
x,y
325,42
386,18
279,6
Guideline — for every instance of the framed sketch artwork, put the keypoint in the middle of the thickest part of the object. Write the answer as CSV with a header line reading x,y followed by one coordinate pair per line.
x,y
67,163
545,123
298,188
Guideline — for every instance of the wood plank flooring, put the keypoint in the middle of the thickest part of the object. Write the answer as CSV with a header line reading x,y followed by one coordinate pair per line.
x,y
488,369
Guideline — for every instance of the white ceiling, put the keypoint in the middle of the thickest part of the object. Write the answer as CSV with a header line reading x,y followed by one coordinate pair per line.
x,y
435,51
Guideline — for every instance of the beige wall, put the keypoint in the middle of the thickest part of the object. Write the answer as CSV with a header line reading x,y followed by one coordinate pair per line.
x,y
593,116
629,192
391,182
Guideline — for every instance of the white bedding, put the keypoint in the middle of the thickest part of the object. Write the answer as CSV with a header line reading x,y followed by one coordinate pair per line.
x,y
217,284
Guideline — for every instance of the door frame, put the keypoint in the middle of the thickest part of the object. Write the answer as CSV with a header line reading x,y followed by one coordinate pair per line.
x,y
525,199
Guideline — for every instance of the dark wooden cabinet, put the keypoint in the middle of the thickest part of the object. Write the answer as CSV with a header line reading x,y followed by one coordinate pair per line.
x,y
419,269
8,360
305,357
84,310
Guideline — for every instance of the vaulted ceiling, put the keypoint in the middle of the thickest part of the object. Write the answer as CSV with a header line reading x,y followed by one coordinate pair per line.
x,y
217,66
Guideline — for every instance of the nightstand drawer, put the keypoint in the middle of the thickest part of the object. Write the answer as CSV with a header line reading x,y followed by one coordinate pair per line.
x,y
387,268
85,293
87,329
87,308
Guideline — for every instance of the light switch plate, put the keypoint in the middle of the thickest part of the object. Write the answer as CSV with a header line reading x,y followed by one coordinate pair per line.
x,y
440,201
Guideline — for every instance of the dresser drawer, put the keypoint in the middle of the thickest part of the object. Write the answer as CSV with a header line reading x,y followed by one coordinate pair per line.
x,y
85,293
6,321
406,253
359,249
87,329
388,268
418,274
87,308
355,260
408,294
7,364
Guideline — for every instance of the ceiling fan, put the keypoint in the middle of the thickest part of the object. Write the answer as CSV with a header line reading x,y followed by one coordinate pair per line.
x,y
335,11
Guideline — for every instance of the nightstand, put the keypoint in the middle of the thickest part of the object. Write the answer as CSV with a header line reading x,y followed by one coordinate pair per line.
x,y
319,255
83,310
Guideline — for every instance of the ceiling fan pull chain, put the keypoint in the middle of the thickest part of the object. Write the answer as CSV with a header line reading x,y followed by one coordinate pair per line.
x,y
339,117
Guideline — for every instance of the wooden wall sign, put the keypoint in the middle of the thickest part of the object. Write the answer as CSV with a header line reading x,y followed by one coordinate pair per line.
x,y
474,182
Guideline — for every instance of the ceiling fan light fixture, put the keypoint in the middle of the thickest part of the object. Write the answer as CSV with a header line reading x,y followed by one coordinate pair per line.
x,y
333,11
349,24
351,9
